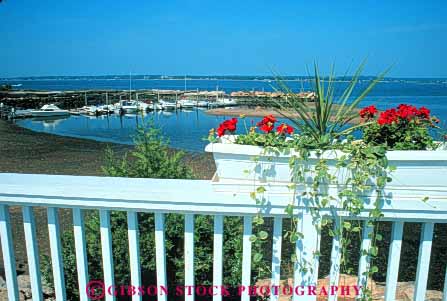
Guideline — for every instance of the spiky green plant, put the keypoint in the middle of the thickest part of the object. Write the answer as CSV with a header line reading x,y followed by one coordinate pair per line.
x,y
331,116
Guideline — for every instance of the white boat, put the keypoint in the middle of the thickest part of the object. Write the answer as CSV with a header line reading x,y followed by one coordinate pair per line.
x,y
49,110
130,106
226,102
105,109
89,110
202,103
21,113
143,106
167,105
187,104
156,106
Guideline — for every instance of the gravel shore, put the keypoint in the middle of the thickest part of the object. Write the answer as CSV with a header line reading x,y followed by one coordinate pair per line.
x,y
26,151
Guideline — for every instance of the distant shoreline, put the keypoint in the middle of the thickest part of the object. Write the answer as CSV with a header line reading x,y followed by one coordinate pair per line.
x,y
292,78
256,112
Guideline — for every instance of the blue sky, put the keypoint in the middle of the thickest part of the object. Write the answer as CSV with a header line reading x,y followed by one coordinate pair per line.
x,y
226,37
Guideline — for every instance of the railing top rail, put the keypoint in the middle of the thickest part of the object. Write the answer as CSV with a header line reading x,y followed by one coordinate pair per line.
x,y
182,196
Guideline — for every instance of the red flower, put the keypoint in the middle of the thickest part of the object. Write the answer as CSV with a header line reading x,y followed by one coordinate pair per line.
x,y
368,112
284,129
227,125
270,118
404,113
424,113
407,112
267,124
387,117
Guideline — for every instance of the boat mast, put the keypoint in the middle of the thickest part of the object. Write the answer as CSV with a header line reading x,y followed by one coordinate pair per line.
x,y
130,86
217,93
85,98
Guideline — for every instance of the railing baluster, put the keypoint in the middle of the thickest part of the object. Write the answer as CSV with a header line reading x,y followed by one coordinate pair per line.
x,y
444,294
393,261
9,260
32,252
81,252
365,258
336,253
56,253
134,252
276,256
306,267
160,254
217,256
246,257
189,254
106,250
423,261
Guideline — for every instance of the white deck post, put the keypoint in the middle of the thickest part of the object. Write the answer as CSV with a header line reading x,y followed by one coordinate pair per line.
x,y
134,252
423,261
306,267
365,259
56,253
336,253
9,260
189,255
393,261
106,250
276,256
160,255
218,254
32,252
81,252
246,257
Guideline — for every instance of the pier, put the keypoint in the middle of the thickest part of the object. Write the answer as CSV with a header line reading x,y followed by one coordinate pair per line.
x,y
69,100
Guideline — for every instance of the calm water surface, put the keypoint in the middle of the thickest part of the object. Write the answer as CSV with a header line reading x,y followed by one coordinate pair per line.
x,y
186,129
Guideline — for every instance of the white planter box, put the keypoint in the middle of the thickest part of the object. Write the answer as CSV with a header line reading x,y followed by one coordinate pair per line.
x,y
236,168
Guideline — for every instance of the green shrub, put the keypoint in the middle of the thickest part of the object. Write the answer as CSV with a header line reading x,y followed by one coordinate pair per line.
x,y
151,158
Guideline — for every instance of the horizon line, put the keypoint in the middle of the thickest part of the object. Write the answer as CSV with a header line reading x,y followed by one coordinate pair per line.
x,y
185,76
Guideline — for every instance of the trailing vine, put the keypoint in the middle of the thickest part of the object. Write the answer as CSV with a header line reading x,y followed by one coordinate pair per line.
x,y
313,177
367,172
340,179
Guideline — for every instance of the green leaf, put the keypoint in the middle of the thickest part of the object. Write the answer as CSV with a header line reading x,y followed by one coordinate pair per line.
x,y
263,235
257,257
347,225
261,189
253,238
293,237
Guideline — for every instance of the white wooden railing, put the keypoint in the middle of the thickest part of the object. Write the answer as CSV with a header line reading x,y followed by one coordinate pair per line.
x,y
188,197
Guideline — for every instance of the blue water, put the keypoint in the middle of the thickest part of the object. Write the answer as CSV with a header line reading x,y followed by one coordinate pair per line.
x,y
186,130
